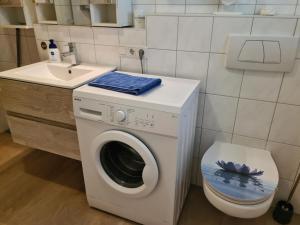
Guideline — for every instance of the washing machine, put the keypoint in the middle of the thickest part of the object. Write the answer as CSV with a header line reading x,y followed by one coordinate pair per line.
x,y
136,151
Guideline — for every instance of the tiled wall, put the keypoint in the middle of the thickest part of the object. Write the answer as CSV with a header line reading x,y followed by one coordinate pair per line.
x,y
290,7
8,55
259,109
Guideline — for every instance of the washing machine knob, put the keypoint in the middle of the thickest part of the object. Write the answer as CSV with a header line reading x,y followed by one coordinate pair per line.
x,y
121,116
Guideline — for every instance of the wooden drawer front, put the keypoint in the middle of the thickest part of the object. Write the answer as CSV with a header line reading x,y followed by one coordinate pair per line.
x,y
36,100
45,137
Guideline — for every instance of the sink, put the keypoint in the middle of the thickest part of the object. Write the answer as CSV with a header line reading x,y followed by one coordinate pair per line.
x,y
56,74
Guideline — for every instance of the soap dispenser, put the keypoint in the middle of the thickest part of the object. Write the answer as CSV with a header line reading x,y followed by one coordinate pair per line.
x,y
54,54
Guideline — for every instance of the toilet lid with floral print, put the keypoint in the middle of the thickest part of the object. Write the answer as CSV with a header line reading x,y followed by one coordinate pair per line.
x,y
239,174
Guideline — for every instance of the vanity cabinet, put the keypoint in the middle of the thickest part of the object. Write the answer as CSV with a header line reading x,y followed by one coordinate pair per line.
x,y
41,116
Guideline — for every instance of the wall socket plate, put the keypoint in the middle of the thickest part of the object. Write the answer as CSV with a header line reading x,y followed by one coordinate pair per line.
x,y
132,52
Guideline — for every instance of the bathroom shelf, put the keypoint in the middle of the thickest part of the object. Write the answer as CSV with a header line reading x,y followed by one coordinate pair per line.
x,y
111,13
17,14
54,12
45,12
81,12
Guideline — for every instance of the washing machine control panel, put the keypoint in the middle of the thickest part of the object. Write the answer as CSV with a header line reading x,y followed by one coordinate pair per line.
x,y
127,116
142,119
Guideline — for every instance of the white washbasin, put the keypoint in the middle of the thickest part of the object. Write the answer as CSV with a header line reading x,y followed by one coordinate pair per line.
x,y
56,74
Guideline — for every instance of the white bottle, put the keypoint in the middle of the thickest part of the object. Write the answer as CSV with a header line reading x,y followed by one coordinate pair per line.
x,y
53,52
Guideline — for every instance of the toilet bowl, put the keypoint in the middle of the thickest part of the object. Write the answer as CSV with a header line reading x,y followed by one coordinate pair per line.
x,y
238,180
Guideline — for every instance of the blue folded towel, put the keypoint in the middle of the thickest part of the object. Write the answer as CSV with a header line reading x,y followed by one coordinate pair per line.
x,y
125,83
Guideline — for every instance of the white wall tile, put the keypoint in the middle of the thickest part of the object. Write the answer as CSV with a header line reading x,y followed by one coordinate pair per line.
x,y
290,91
170,1
107,55
132,37
80,34
194,33
86,53
284,188
41,31
146,9
131,64
273,26
244,9
221,80
287,159
254,118
172,9
209,137
190,9
59,33
161,62
286,125
202,1
261,85
281,2
297,33
279,9
143,1
219,113
162,32
228,25
106,36
248,141
297,12
193,65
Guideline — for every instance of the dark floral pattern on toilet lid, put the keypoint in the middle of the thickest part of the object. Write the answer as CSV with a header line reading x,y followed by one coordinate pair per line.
x,y
238,173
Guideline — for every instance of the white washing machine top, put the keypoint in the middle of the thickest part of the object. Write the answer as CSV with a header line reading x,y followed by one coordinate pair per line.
x,y
170,96
239,174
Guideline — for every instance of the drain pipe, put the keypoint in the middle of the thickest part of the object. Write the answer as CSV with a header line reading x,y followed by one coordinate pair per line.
x,y
18,46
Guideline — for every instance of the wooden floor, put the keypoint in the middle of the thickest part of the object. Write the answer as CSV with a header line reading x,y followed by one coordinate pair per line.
x,y
46,189
9,151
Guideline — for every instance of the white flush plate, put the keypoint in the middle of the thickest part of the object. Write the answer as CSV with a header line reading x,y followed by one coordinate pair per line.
x,y
263,53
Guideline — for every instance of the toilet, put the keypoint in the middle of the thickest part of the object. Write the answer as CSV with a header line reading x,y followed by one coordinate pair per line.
x,y
238,180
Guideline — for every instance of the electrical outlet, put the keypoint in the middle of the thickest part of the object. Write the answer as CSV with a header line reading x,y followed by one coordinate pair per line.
x,y
131,52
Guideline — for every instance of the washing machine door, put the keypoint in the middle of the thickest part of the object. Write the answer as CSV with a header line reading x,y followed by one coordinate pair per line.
x,y
125,163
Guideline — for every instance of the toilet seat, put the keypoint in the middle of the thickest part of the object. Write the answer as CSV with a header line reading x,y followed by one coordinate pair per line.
x,y
220,166
237,210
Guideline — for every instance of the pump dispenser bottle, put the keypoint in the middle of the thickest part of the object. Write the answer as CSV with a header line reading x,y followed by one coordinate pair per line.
x,y
53,52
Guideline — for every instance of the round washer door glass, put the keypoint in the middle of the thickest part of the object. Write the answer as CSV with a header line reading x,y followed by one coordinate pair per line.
x,y
122,164
125,163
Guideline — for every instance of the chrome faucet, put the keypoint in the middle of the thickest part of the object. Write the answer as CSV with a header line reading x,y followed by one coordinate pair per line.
x,y
69,54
